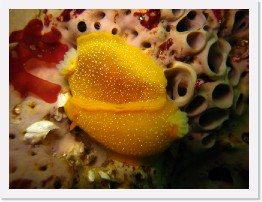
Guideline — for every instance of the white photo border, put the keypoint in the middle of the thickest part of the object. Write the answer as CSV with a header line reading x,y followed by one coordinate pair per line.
x,y
254,152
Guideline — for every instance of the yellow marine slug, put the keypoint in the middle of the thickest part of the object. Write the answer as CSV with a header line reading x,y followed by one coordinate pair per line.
x,y
118,96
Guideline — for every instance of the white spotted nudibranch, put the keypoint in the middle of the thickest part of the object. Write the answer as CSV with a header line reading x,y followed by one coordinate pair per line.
x,y
118,96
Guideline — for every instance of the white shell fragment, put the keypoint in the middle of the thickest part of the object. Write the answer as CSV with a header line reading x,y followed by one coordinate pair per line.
x,y
104,175
91,176
37,132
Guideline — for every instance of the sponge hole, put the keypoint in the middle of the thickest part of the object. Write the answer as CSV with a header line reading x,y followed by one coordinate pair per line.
x,y
114,31
168,28
12,136
191,15
182,90
128,12
97,25
57,184
220,92
169,65
146,45
43,168
81,26
183,25
135,33
245,137
215,59
177,12
101,15
196,40
207,28
197,105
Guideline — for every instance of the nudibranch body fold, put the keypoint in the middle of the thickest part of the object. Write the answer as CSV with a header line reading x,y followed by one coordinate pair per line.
x,y
118,96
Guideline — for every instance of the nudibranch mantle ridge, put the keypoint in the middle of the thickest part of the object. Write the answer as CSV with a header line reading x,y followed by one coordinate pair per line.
x,y
118,96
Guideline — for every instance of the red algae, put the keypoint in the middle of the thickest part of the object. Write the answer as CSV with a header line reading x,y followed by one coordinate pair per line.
x,y
236,59
198,84
67,14
153,16
31,43
166,45
47,20
218,14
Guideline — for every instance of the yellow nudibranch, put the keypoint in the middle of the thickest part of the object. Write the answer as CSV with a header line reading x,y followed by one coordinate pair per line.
x,y
118,96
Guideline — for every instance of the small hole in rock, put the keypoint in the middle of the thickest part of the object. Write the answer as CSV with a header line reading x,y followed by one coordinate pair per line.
x,y
81,26
168,28
240,22
182,90
191,15
183,25
172,52
196,40
43,168
32,105
221,91
176,11
114,31
139,177
128,12
65,27
12,136
57,184
189,59
135,33
242,25
215,59
207,28
146,45
244,74
208,141
197,104
169,65
213,118
97,25
245,137
206,15
102,15
228,61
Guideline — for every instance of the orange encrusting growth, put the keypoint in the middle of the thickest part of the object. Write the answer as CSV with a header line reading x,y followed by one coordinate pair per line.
x,y
119,97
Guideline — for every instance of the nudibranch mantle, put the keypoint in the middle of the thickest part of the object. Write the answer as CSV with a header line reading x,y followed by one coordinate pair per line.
x,y
118,96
